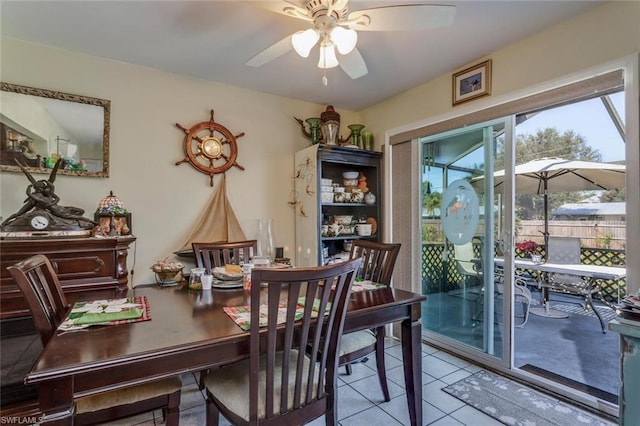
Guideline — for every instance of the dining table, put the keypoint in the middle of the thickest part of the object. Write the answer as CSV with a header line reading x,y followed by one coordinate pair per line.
x,y
586,282
189,331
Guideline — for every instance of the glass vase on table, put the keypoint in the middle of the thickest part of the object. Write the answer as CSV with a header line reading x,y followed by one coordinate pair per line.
x,y
266,244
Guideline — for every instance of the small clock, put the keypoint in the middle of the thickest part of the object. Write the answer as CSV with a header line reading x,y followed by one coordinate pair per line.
x,y
211,147
39,222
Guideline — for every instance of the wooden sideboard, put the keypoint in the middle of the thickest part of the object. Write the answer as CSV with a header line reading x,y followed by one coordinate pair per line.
x,y
87,268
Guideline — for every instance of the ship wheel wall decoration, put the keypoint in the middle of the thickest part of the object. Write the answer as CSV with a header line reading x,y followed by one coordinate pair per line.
x,y
210,147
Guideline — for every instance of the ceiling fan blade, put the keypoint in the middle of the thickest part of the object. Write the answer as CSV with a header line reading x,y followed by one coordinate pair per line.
x,y
353,64
403,18
287,8
271,53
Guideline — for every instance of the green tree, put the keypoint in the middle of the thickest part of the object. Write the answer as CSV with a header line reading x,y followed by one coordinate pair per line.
x,y
548,143
613,196
431,202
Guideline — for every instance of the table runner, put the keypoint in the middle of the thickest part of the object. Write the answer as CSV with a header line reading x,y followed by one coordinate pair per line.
x,y
107,312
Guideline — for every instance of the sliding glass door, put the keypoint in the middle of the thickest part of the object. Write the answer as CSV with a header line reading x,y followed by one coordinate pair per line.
x,y
477,219
463,239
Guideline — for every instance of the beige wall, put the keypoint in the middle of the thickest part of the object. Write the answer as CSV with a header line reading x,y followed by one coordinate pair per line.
x,y
165,200
601,35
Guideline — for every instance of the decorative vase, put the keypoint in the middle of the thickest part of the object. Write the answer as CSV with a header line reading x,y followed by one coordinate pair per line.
x,y
370,198
265,238
330,126
367,140
356,138
330,132
314,129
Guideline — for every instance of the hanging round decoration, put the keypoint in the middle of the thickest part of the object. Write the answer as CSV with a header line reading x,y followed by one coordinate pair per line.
x,y
460,212
210,147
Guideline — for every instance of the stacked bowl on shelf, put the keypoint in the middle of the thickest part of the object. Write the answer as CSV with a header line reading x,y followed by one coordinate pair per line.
x,y
350,182
326,187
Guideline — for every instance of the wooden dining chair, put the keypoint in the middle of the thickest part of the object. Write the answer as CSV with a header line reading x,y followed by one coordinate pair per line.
x,y
220,253
216,254
281,380
379,259
38,281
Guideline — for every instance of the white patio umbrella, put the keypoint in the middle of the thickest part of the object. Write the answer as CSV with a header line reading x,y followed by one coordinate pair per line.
x,y
550,175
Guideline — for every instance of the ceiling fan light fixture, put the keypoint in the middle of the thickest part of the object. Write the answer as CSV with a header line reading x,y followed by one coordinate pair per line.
x,y
344,39
327,55
303,41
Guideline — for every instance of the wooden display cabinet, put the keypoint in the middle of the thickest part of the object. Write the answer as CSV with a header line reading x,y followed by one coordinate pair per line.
x,y
318,162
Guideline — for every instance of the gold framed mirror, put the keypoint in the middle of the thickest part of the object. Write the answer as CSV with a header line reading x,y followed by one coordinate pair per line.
x,y
38,126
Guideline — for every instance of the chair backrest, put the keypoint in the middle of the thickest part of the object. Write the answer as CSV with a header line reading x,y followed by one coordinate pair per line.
x,y
220,253
563,250
40,286
283,353
464,256
379,259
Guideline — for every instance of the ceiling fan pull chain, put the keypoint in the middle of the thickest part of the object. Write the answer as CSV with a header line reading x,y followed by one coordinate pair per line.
x,y
324,78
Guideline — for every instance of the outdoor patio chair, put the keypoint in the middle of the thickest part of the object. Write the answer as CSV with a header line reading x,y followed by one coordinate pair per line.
x,y
566,250
521,293
468,265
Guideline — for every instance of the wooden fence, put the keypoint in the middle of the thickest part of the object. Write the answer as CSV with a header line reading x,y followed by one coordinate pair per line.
x,y
597,234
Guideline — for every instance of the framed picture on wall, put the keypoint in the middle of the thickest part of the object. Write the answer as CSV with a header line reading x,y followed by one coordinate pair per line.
x,y
472,83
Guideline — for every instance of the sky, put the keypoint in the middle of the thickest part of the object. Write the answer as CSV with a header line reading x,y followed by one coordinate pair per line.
x,y
588,119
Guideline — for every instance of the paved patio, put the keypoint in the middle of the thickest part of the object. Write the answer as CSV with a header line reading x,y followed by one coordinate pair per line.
x,y
572,351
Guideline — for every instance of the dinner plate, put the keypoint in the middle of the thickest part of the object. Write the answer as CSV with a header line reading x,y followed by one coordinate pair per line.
x,y
221,274
224,284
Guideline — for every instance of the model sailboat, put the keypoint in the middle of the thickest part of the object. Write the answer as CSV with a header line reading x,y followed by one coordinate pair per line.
x,y
218,221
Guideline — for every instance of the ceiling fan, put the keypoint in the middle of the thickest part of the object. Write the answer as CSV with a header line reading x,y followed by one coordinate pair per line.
x,y
334,27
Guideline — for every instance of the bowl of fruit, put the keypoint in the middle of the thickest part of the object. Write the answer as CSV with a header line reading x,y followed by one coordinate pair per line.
x,y
167,273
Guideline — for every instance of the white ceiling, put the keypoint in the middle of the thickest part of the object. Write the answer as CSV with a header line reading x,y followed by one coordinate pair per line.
x,y
213,40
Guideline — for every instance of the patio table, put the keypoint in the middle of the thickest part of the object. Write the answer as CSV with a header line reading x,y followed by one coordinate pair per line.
x,y
587,284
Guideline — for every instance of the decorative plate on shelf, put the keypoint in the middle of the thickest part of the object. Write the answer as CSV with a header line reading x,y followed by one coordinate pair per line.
x,y
374,225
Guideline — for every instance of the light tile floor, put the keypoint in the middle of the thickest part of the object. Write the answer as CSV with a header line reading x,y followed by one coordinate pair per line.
x,y
360,398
